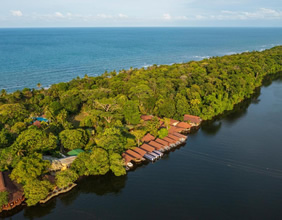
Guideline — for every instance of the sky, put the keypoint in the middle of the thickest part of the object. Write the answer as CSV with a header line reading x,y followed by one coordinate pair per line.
x,y
140,13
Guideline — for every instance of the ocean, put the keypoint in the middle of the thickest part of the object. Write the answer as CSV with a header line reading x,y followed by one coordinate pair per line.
x,y
51,55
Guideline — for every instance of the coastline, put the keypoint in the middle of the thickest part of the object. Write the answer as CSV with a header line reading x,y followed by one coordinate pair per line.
x,y
270,74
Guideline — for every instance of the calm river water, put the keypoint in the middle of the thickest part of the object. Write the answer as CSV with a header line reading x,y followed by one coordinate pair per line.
x,y
230,169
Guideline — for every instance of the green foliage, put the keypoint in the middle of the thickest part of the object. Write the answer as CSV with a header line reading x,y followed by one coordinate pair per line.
x,y
111,140
153,126
12,113
18,127
117,164
79,164
3,198
98,163
55,107
73,139
71,101
6,138
36,190
162,133
29,168
33,139
131,112
66,177
138,134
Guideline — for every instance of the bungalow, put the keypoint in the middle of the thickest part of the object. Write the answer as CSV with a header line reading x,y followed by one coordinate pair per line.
x,y
172,143
174,129
60,164
164,143
146,117
157,145
181,136
173,122
15,191
147,148
139,151
193,120
127,159
184,126
138,157
148,137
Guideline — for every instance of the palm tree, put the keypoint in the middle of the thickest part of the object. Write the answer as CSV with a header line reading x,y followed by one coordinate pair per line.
x,y
39,85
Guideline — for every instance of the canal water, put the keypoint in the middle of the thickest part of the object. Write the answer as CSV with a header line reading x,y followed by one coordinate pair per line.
x,y
230,169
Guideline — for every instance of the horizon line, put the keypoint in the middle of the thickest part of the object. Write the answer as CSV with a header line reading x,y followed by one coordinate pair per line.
x,y
42,27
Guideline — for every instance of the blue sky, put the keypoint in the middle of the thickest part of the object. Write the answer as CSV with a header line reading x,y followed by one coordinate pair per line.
x,y
116,13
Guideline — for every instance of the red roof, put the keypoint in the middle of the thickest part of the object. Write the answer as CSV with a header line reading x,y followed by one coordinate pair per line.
x,y
169,140
146,117
37,124
148,137
156,145
179,135
2,183
173,122
133,154
140,151
192,119
15,190
147,147
183,125
173,137
174,129
127,158
163,142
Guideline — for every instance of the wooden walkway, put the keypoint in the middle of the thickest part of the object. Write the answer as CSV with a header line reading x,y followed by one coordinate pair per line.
x,y
58,192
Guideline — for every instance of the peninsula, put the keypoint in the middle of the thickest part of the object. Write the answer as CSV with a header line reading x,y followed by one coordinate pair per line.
x,y
95,125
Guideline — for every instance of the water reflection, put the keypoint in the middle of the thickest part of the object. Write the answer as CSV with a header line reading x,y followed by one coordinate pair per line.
x,y
99,185
212,127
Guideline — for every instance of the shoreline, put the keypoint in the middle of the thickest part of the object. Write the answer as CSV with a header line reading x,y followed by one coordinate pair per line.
x,y
154,152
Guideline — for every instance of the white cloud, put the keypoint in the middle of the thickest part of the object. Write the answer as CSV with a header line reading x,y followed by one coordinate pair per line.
x,y
122,16
260,14
104,16
167,16
16,13
59,15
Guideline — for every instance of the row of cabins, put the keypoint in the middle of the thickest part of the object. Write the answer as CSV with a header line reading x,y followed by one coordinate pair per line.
x,y
153,148
15,191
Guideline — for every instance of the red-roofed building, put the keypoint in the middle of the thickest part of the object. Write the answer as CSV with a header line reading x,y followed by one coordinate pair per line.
x,y
174,129
147,148
173,122
127,158
148,137
139,151
173,137
15,191
184,125
157,145
146,117
163,142
134,154
37,124
193,120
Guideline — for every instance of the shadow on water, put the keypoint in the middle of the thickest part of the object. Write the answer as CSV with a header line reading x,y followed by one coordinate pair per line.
x,y
213,126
